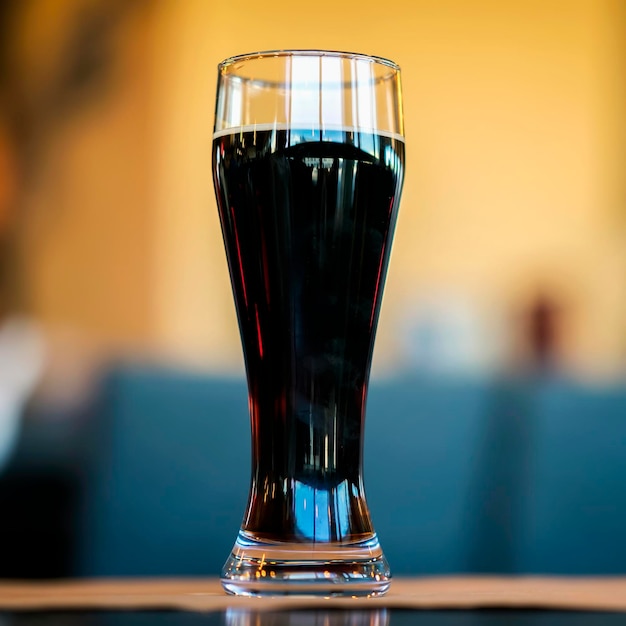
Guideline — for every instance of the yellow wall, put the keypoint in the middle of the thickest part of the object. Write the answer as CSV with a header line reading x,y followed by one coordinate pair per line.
x,y
86,209
513,130
515,144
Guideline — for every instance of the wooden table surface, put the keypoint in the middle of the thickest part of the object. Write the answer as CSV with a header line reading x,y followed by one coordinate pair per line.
x,y
197,594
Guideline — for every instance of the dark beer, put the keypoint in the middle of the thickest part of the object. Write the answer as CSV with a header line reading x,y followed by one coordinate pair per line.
x,y
307,218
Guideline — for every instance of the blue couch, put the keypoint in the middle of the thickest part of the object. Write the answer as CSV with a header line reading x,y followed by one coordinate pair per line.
x,y
510,476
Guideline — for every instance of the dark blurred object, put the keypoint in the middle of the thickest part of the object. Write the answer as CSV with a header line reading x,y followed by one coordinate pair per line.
x,y
543,332
40,493
37,525
540,332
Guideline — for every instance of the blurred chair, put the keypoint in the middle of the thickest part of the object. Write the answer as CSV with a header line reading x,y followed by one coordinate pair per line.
x,y
575,518
167,487
516,476
508,477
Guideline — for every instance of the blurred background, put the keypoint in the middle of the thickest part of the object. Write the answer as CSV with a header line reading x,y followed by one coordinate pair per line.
x,y
509,262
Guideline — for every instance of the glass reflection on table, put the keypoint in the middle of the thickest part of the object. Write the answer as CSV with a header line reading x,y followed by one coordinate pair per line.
x,y
245,617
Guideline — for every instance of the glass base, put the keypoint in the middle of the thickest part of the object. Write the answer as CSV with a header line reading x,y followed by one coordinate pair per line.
x,y
263,568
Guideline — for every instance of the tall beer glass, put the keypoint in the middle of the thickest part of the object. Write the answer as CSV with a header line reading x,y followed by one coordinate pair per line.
x,y
308,164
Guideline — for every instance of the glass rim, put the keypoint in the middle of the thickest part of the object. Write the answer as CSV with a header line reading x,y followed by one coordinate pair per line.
x,y
250,56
